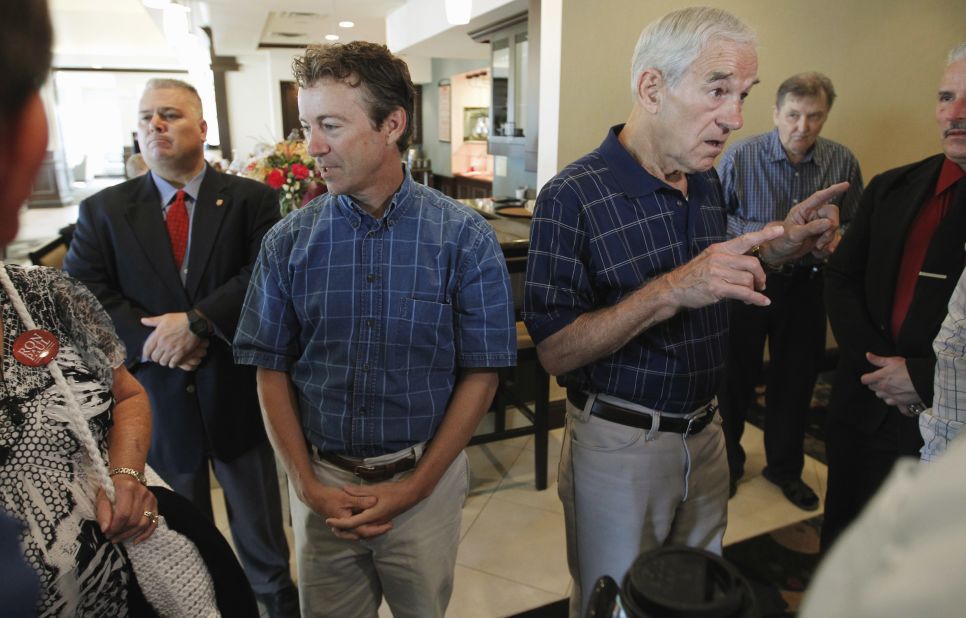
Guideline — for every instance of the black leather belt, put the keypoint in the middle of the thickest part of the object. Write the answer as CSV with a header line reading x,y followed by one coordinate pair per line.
x,y
373,473
632,418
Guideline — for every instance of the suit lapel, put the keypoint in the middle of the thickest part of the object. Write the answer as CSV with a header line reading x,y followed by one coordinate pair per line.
x,y
210,209
144,216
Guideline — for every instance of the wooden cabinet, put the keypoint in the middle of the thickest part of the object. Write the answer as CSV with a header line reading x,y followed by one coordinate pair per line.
x,y
463,188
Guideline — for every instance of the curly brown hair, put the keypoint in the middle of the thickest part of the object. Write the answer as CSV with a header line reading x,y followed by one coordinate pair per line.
x,y
384,78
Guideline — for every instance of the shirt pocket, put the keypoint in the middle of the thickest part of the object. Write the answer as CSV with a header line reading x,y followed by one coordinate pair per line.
x,y
420,336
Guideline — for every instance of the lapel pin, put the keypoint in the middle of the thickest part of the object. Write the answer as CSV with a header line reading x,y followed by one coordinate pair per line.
x,y
219,202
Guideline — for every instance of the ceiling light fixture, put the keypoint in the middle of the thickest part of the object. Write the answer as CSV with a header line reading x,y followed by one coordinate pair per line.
x,y
346,24
332,37
458,11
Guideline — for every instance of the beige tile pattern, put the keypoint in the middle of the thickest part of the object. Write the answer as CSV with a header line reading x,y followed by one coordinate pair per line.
x,y
512,554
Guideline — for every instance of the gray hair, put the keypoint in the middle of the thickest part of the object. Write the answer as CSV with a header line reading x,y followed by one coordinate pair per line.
x,y
673,42
956,54
166,83
806,85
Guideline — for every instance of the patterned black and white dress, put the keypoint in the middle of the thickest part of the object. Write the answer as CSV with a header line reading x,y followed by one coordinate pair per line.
x,y
42,478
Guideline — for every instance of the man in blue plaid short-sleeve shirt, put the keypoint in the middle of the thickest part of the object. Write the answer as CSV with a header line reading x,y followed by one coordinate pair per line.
x,y
627,266
377,316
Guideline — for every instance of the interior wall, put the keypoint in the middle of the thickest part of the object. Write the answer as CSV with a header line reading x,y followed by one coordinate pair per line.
x,y
249,105
885,58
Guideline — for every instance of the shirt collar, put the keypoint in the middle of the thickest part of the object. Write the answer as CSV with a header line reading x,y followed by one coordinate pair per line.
x,y
630,175
397,205
949,174
776,151
167,190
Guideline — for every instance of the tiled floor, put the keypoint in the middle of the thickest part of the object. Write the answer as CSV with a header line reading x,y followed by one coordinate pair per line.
x,y
512,556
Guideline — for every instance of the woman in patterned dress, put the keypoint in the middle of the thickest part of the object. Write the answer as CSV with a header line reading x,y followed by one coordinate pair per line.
x,y
73,532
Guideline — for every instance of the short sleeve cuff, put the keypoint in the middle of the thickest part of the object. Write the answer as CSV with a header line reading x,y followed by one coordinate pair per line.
x,y
265,360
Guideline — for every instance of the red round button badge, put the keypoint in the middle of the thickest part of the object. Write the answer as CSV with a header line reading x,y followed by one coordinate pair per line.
x,y
36,347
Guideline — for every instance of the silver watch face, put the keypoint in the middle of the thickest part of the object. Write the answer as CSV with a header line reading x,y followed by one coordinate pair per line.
x,y
917,408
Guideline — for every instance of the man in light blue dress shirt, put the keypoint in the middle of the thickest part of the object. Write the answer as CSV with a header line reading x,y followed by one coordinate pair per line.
x,y
762,178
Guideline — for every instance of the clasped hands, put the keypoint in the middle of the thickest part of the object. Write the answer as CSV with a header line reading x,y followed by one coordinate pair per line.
x,y
356,512
172,344
891,382
724,270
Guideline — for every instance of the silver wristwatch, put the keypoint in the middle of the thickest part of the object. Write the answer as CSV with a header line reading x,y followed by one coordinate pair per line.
x,y
916,408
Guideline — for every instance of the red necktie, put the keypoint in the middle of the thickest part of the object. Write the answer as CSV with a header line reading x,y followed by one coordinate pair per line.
x,y
177,221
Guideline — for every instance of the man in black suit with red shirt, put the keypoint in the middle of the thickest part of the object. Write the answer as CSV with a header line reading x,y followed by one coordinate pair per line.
x,y
887,288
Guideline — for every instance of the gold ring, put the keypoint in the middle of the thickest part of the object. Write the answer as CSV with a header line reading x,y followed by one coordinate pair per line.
x,y
152,516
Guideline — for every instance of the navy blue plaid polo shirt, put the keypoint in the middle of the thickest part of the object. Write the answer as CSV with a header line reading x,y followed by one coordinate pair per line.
x,y
372,318
603,228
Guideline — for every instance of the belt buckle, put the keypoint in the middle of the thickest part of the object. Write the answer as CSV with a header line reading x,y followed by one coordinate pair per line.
x,y
364,471
687,431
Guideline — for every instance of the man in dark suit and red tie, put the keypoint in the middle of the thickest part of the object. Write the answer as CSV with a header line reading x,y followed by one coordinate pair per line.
x,y
886,290
169,255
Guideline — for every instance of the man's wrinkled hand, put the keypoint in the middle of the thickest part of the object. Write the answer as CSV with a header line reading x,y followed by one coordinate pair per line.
x,y
723,270
194,358
890,382
172,342
812,226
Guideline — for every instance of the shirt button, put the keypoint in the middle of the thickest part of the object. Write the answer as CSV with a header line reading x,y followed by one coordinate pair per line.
x,y
365,367
369,322
190,388
370,278
362,411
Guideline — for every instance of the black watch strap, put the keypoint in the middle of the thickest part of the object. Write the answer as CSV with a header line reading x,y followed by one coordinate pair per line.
x,y
198,324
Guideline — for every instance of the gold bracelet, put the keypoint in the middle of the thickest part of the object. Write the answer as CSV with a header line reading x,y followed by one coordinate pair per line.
x,y
130,472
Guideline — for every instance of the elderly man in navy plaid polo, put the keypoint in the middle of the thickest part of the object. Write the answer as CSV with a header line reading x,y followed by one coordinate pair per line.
x,y
627,266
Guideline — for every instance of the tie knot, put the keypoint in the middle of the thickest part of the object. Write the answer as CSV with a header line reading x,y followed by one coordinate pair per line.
x,y
179,196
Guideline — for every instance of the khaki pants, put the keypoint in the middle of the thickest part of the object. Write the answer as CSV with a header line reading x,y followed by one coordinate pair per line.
x,y
624,494
411,565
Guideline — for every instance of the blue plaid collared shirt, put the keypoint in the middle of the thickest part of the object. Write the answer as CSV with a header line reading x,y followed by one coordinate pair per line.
x,y
373,318
604,227
760,184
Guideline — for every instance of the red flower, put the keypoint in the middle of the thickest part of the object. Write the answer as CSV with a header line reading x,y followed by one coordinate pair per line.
x,y
275,178
300,171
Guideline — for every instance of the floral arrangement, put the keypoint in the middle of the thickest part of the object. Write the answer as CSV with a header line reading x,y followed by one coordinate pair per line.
x,y
286,166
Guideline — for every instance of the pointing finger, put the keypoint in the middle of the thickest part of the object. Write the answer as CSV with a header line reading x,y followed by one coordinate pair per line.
x,y
823,196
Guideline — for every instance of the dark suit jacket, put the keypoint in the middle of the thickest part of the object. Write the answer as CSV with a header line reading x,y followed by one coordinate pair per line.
x,y
121,250
860,285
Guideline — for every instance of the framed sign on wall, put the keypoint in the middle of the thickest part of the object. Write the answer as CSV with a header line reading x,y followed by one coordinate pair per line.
x,y
443,115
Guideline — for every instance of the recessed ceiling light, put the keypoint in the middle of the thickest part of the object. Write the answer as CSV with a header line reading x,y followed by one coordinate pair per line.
x,y
346,24
332,37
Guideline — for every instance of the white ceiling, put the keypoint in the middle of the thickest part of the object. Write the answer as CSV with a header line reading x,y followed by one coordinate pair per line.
x,y
123,33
